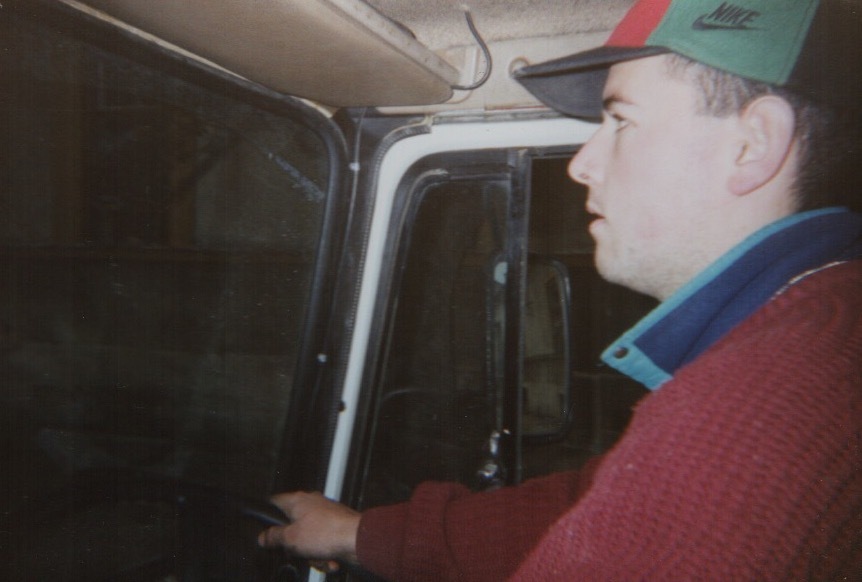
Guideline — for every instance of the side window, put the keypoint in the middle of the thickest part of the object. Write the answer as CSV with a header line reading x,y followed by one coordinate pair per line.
x,y
435,401
158,245
445,365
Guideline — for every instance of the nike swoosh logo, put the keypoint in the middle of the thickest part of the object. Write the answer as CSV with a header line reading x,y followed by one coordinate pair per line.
x,y
702,24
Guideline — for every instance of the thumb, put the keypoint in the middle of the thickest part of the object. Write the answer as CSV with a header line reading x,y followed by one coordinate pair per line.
x,y
271,537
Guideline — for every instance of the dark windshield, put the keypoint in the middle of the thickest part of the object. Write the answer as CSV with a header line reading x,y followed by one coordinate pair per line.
x,y
157,247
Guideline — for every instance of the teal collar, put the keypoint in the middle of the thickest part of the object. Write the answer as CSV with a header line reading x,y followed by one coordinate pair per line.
x,y
729,290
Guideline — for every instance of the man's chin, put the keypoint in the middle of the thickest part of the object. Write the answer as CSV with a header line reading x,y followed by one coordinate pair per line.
x,y
614,271
605,266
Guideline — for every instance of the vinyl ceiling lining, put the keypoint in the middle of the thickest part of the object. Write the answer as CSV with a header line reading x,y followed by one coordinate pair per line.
x,y
335,52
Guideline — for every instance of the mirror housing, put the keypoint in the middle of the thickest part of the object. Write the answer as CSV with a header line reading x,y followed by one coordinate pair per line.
x,y
545,386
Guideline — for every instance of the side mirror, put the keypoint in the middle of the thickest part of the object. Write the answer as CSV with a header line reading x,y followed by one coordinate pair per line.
x,y
545,388
546,381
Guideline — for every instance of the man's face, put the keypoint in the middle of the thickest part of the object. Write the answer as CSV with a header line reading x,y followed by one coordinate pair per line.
x,y
653,177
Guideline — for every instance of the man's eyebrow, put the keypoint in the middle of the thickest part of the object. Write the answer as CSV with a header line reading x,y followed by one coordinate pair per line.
x,y
611,100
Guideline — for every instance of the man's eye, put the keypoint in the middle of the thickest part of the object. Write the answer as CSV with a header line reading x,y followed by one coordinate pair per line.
x,y
619,122
613,121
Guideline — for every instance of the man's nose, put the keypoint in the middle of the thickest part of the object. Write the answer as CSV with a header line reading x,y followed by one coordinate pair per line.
x,y
579,167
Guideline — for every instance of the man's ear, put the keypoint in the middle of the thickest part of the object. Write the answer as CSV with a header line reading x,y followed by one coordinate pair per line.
x,y
767,127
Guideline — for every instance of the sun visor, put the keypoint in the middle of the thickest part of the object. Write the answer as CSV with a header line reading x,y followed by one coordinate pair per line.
x,y
336,52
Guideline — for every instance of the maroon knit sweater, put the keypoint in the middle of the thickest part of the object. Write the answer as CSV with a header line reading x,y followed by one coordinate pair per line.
x,y
747,465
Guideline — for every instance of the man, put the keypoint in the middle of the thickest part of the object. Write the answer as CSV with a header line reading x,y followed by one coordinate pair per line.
x,y
705,180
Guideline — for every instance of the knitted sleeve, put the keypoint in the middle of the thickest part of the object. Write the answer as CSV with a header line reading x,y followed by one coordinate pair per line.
x,y
746,466
445,532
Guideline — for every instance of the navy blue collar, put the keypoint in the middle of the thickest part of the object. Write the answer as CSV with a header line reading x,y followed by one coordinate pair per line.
x,y
723,295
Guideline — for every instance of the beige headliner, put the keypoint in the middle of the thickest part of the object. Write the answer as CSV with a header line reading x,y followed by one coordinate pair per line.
x,y
355,53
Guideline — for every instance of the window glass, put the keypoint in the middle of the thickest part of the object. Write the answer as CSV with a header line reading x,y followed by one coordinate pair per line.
x,y
157,245
442,391
436,404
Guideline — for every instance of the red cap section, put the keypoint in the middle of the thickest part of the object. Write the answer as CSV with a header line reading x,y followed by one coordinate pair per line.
x,y
639,22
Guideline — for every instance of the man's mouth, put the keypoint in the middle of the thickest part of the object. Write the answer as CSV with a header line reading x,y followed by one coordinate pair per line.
x,y
593,211
596,217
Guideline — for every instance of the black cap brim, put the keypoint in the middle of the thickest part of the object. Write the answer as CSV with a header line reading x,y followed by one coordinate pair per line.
x,y
573,84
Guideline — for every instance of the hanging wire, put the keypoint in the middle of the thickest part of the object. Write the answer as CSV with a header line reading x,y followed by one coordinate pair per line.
x,y
486,53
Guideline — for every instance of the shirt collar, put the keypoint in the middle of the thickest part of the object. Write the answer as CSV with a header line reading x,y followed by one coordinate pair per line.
x,y
728,291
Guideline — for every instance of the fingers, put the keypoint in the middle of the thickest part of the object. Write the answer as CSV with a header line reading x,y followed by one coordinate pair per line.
x,y
270,538
285,501
319,528
325,566
298,503
275,537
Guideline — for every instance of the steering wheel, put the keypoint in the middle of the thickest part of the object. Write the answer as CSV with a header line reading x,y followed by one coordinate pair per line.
x,y
124,525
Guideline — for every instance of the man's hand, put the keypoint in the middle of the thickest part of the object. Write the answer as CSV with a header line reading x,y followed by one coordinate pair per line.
x,y
320,529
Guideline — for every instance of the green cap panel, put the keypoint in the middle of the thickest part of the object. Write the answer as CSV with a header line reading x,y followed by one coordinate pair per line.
x,y
758,40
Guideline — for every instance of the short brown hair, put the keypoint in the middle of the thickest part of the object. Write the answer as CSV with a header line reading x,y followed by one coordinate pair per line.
x,y
828,138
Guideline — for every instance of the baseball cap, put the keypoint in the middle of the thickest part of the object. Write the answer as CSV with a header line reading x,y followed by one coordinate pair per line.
x,y
810,47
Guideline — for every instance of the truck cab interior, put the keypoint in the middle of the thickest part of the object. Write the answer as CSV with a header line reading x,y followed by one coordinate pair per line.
x,y
249,247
